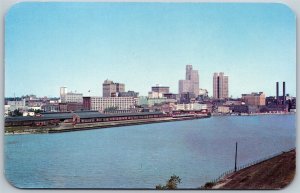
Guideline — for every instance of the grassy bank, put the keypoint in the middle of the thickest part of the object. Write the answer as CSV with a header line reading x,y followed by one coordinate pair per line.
x,y
274,173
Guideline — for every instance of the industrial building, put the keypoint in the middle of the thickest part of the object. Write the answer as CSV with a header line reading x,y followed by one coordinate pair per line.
x,y
254,99
48,119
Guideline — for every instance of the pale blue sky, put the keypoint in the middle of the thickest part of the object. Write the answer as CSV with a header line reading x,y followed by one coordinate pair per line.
x,y
79,45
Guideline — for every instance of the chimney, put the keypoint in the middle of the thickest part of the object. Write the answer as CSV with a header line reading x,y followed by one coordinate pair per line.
x,y
277,91
283,93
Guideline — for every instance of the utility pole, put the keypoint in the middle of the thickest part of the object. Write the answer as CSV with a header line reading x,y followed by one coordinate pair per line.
x,y
235,156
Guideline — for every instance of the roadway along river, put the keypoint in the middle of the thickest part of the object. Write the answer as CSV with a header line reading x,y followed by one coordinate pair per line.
x,y
143,156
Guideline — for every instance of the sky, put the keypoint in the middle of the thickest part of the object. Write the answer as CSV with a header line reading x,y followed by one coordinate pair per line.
x,y
79,45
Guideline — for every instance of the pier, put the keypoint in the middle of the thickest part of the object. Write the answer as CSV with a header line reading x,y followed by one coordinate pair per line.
x,y
77,121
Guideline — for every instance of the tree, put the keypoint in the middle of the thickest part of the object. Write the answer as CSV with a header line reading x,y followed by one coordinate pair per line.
x,y
208,185
37,111
16,112
171,184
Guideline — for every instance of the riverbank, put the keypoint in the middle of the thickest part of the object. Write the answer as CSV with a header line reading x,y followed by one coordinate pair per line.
x,y
69,127
253,114
274,173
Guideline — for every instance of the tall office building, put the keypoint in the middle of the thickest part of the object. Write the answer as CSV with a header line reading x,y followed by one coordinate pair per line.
x,y
120,87
220,86
186,86
111,89
193,76
63,94
191,82
108,88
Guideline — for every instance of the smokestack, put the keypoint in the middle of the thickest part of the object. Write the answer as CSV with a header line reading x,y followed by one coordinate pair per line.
x,y
283,93
277,91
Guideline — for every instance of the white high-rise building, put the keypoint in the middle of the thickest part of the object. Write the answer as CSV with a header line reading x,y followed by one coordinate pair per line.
x,y
63,93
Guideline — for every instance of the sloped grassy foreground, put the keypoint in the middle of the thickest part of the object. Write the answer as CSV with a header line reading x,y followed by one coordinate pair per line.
x,y
275,173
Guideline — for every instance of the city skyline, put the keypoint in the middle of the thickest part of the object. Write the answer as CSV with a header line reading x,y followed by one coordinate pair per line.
x,y
144,44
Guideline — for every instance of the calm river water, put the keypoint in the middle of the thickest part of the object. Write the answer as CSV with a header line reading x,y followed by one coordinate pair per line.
x,y
144,156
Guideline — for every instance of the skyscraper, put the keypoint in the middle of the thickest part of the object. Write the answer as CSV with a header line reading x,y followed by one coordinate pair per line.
x,y
194,77
108,88
120,87
63,94
185,86
220,86
191,82
111,89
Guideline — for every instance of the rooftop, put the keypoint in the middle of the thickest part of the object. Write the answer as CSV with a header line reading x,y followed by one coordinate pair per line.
x,y
69,115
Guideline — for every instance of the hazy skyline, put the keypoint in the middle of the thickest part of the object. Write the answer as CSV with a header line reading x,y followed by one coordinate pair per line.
x,y
79,45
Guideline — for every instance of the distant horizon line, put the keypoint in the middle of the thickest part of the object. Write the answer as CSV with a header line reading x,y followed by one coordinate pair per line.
x,y
210,97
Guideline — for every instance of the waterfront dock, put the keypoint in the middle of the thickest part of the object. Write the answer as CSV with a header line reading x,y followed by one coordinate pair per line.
x,y
88,126
66,122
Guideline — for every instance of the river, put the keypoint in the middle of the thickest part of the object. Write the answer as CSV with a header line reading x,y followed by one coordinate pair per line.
x,y
144,156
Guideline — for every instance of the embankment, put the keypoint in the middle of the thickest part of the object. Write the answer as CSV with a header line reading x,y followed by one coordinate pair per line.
x,y
274,173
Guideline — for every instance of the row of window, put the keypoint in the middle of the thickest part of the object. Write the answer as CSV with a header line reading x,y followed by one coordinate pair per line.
x,y
113,100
